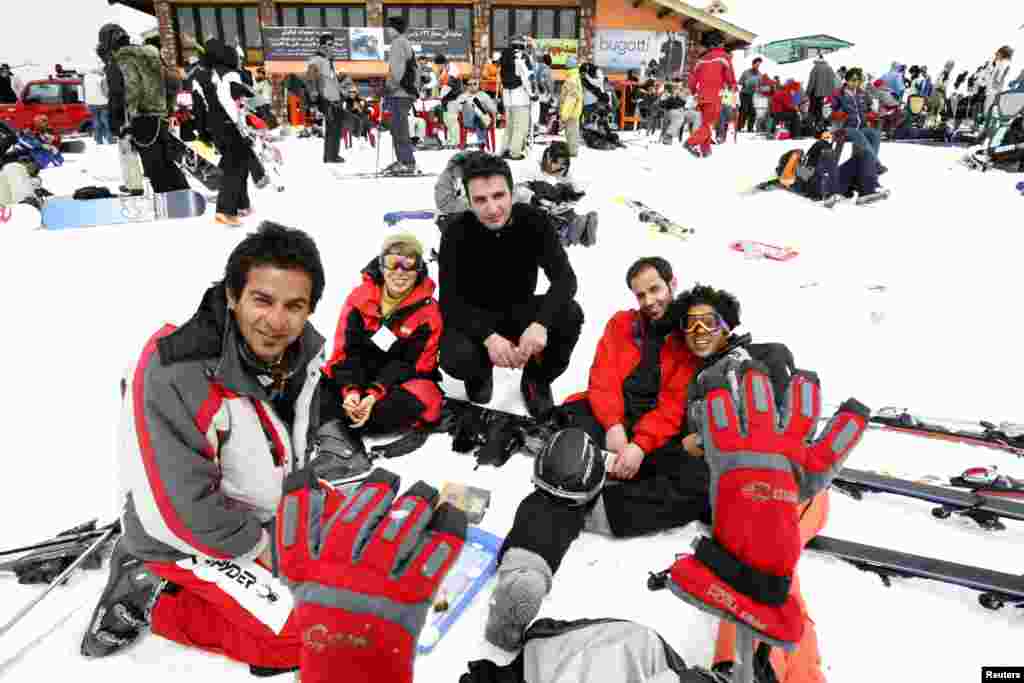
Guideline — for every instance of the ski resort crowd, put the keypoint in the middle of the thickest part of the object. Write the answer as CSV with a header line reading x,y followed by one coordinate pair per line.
x,y
235,541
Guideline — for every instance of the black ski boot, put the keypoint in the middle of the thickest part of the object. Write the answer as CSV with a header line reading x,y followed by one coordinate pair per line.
x,y
125,605
341,455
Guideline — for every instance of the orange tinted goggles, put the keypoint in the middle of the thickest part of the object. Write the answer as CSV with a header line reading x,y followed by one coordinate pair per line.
x,y
399,262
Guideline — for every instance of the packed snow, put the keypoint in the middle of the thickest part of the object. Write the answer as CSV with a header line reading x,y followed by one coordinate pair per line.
x,y
911,302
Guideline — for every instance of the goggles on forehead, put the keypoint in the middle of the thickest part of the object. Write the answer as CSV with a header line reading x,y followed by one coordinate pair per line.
x,y
711,322
399,262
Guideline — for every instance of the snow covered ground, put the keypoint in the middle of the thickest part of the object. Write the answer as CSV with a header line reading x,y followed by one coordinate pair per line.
x,y
941,339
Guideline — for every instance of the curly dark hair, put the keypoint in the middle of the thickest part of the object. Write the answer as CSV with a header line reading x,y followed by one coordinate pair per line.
x,y
724,303
275,245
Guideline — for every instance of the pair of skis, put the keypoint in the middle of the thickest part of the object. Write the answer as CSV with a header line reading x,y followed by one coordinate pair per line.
x,y
986,505
1006,436
657,221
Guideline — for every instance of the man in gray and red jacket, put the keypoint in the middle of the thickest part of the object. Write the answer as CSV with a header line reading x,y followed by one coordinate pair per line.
x,y
216,414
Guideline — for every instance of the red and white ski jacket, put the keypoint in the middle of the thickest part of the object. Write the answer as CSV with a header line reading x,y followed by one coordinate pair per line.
x,y
203,451
712,72
618,354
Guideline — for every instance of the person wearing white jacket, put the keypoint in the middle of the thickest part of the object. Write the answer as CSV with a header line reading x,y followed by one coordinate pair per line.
x,y
518,97
996,74
95,83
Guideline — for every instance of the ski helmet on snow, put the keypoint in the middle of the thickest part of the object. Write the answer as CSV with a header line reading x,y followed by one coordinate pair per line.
x,y
571,467
556,152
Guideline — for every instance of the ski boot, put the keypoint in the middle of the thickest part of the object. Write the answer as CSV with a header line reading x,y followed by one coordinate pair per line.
x,y
340,455
125,605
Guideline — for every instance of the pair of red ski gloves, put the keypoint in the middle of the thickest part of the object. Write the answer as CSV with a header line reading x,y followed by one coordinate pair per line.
x,y
363,569
763,465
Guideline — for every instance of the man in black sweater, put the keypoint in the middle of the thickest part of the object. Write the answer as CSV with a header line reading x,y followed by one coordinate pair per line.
x,y
489,260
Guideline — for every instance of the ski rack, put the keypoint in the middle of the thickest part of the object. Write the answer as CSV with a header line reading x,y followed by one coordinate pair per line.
x,y
997,589
985,510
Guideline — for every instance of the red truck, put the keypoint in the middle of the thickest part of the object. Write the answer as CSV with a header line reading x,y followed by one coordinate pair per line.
x,y
62,100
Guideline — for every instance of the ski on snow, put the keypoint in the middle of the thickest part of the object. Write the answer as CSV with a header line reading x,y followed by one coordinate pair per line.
x,y
997,588
984,508
1007,437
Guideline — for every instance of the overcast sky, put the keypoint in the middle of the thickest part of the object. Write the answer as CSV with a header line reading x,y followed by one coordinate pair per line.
x,y
884,30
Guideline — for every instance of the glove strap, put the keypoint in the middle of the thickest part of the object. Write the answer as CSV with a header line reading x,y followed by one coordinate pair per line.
x,y
765,588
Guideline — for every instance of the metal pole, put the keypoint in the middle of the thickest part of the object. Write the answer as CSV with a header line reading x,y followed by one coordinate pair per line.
x,y
57,581
744,672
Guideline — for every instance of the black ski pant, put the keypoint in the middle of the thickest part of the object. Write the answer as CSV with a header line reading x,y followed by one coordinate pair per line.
x,y
400,108
466,359
235,163
670,489
748,114
332,130
152,140
815,109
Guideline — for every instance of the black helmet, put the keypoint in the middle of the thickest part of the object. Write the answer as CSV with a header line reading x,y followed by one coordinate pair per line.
x,y
556,152
571,467
713,39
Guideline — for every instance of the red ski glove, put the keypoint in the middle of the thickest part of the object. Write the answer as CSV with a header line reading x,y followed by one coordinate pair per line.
x,y
363,571
762,468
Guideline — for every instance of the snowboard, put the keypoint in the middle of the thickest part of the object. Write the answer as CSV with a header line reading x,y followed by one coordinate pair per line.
x,y
763,250
986,510
337,173
996,588
73,147
649,216
19,217
60,213
198,160
393,218
1005,437
477,563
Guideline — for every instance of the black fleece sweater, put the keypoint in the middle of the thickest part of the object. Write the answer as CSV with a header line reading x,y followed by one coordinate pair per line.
x,y
485,273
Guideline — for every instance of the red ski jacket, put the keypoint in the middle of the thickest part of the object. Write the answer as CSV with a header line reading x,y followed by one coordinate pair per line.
x,y
618,354
359,361
710,74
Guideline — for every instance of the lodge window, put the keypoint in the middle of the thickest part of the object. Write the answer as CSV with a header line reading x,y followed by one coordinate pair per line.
x,y
452,17
539,22
233,24
319,16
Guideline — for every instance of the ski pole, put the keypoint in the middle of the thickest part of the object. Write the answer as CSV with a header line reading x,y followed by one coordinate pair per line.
x,y
60,539
97,544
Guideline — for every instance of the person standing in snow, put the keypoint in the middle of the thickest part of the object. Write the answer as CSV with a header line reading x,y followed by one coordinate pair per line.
x,y
634,407
570,105
325,92
712,72
820,86
938,104
490,258
10,86
749,82
400,91
223,88
995,75
137,95
96,99
518,96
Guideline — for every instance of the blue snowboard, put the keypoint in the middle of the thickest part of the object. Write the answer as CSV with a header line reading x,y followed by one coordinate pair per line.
x,y
475,566
61,213
392,218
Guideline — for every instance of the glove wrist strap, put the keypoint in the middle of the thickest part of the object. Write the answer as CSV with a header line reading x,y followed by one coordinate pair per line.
x,y
754,583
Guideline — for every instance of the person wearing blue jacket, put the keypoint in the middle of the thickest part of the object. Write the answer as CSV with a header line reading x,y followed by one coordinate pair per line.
x,y
894,80
850,107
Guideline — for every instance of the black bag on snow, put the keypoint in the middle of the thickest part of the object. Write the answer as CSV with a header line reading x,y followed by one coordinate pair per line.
x,y
92,192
